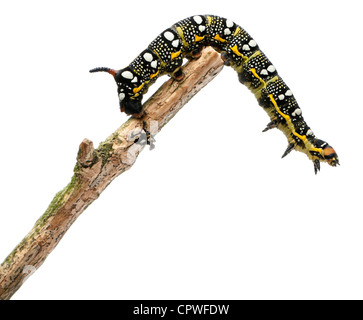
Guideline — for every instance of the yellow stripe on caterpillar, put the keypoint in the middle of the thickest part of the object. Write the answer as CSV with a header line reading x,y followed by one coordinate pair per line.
x,y
154,75
181,34
263,82
218,38
235,50
238,29
197,38
175,54
136,90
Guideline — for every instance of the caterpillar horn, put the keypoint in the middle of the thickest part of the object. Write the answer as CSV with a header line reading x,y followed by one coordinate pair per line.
x,y
104,69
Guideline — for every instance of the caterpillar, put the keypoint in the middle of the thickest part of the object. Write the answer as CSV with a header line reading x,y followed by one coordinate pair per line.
x,y
238,49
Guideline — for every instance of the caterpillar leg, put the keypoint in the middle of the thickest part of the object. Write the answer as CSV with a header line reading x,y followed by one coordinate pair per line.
x,y
270,125
195,54
316,166
149,138
178,74
226,59
144,136
289,148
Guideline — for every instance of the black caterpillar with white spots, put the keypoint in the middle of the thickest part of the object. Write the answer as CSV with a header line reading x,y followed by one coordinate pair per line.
x,y
187,38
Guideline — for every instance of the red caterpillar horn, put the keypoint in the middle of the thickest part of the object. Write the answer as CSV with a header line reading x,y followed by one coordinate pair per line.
x,y
103,69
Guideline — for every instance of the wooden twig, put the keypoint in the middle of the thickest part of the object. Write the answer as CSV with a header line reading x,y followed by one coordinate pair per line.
x,y
96,168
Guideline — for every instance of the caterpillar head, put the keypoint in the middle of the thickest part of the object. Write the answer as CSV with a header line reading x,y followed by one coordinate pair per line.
x,y
322,151
128,90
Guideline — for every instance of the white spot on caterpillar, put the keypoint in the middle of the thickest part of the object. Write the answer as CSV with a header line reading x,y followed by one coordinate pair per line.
x,y
264,72
154,64
288,93
229,23
198,19
169,36
227,32
271,68
310,133
134,80
127,75
252,43
148,57
121,96
175,43
246,47
297,112
281,97
201,28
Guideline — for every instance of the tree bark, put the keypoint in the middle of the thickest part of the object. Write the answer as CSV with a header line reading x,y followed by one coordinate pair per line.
x,y
96,168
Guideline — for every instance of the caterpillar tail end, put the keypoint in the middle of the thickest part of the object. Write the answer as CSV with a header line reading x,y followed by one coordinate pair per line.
x,y
327,154
332,163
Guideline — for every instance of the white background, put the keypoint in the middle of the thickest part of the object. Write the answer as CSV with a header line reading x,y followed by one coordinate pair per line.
x,y
212,212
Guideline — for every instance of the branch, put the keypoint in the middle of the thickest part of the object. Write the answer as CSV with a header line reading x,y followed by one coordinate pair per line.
x,y
96,168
